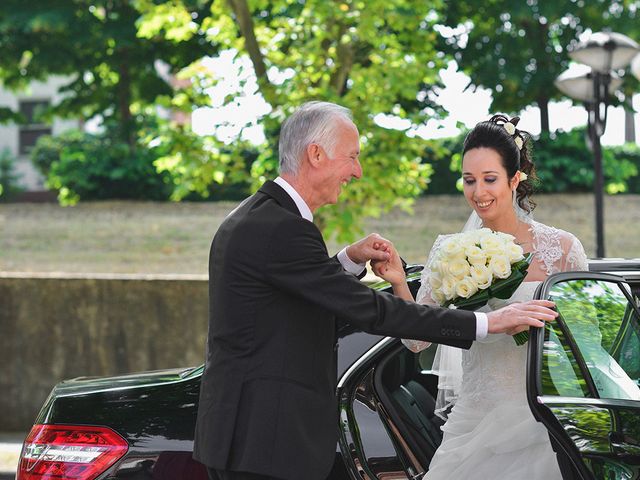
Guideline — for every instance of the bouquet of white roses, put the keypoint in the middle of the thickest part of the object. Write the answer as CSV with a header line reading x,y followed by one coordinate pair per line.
x,y
470,268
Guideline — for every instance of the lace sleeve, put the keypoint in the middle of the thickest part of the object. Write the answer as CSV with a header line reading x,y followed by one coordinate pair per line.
x,y
576,258
424,295
557,250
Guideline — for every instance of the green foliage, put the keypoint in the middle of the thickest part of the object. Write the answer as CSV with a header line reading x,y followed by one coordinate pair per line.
x,y
446,160
8,178
112,70
629,154
94,167
565,164
375,58
517,49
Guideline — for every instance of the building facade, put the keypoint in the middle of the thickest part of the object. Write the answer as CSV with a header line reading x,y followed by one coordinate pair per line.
x,y
18,140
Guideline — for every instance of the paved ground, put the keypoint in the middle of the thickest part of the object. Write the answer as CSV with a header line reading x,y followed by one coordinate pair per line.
x,y
10,445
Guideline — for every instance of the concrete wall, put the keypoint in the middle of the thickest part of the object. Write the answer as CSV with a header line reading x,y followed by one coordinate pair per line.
x,y
54,327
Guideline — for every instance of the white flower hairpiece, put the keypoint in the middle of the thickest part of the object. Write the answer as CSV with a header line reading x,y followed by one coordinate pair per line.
x,y
519,142
523,176
510,128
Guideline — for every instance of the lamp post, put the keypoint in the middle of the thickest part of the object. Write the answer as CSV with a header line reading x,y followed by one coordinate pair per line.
x,y
604,53
635,66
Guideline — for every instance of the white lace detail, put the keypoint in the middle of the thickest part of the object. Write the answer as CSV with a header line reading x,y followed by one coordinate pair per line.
x,y
576,258
494,368
546,244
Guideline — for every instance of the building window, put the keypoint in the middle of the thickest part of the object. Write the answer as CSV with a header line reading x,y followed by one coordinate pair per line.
x,y
34,127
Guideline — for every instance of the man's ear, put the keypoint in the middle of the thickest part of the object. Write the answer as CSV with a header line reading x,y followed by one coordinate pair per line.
x,y
314,154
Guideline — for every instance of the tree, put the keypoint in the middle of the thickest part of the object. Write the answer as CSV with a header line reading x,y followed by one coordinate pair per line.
x,y
95,42
375,57
518,49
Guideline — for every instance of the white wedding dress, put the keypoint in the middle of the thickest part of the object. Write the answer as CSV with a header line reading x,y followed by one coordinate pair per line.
x,y
490,433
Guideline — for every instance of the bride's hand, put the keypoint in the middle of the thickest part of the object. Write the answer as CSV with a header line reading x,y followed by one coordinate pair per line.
x,y
390,270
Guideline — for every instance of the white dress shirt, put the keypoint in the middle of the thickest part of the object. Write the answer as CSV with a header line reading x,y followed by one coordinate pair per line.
x,y
482,322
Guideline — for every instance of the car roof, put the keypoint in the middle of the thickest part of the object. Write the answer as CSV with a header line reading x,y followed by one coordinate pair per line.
x,y
628,268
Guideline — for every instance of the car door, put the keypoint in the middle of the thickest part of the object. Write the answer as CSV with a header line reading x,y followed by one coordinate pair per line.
x,y
583,376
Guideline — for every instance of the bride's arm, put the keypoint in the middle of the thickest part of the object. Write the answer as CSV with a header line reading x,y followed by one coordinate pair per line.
x,y
393,272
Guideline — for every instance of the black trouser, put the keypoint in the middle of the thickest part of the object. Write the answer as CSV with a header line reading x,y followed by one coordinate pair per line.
x,y
228,475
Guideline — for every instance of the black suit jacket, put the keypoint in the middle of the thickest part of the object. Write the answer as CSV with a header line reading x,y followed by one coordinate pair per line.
x,y
267,400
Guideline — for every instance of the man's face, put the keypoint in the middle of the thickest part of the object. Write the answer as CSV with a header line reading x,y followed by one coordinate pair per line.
x,y
337,170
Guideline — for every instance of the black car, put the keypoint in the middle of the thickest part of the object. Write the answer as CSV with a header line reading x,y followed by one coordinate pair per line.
x,y
583,385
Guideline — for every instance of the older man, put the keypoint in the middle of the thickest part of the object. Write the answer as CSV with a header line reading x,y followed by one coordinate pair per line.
x,y
267,401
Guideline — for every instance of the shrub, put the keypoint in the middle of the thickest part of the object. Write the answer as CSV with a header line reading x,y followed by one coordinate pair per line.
x,y
629,153
84,166
9,187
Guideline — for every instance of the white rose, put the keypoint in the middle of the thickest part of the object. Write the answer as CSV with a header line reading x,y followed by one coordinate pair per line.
x,y
500,266
505,237
459,267
448,287
476,256
514,253
435,280
451,249
438,297
467,240
491,244
466,287
482,276
440,267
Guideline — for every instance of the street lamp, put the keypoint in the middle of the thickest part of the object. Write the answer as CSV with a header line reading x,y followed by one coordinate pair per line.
x,y
635,66
603,52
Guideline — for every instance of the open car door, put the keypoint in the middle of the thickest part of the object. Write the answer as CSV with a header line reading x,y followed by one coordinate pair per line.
x,y
583,376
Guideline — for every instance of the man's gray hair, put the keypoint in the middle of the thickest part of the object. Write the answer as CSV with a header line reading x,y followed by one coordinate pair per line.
x,y
312,122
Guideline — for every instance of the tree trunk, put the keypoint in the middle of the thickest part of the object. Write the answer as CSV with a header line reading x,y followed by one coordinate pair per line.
x,y
124,100
543,105
244,20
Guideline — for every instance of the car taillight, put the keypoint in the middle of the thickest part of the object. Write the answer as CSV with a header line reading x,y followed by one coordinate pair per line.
x,y
69,451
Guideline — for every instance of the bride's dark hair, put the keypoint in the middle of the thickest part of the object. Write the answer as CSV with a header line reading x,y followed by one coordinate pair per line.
x,y
493,134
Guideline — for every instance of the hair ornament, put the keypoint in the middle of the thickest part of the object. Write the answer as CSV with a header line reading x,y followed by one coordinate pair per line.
x,y
518,140
509,127
523,176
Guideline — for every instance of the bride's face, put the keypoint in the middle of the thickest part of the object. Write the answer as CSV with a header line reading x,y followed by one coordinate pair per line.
x,y
487,188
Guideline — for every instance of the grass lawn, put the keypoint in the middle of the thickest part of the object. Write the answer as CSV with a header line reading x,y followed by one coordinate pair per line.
x,y
145,237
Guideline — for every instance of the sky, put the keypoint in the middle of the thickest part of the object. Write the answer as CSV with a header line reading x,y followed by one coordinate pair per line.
x,y
466,106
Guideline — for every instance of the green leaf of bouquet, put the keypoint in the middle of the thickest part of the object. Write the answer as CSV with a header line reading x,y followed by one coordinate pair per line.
x,y
474,302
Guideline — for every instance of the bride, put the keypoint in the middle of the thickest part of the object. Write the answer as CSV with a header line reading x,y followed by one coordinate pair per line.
x,y
490,431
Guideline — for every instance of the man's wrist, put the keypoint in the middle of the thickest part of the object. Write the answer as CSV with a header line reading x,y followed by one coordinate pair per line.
x,y
348,264
482,325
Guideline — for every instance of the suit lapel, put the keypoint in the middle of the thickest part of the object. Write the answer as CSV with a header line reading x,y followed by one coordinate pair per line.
x,y
278,193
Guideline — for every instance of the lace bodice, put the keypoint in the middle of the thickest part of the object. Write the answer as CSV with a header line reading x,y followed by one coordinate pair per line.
x,y
494,368
555,251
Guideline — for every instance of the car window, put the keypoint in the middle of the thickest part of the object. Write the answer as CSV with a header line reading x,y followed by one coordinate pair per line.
x,y
592,349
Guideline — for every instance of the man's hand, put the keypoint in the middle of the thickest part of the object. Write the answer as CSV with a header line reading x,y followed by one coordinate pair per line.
x,y
518,317
372,247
